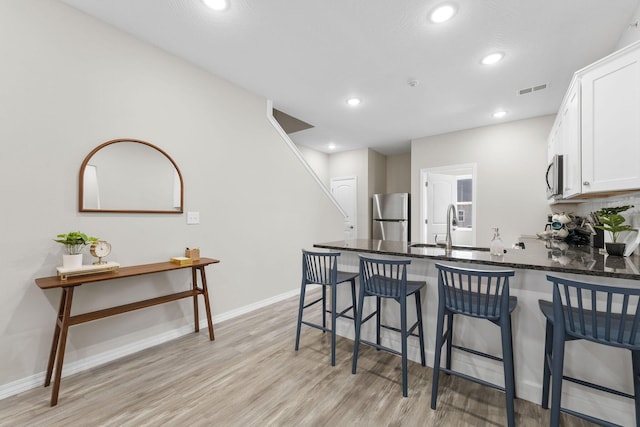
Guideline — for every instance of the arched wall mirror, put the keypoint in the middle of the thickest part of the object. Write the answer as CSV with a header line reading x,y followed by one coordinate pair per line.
x,y
130,175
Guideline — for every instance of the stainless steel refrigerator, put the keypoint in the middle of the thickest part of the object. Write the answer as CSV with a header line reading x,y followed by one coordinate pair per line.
x,y
390,217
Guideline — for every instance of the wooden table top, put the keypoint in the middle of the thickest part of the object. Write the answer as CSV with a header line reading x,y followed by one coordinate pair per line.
x,y
134,270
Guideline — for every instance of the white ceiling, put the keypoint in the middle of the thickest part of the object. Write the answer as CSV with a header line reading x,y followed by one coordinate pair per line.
x,y
308,56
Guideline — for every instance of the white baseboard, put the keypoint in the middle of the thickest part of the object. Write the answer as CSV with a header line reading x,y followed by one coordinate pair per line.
x,y
251,307
37,380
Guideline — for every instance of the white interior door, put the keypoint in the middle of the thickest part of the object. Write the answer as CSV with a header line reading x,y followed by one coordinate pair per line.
x,y
345,191
441,191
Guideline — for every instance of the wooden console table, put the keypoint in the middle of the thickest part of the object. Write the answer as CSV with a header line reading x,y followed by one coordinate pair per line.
x,y
65,319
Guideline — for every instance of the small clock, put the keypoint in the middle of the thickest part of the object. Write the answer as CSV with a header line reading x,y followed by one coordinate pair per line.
x,y
100,249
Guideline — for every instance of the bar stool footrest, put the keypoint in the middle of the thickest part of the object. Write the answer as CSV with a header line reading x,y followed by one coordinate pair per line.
x,y
315,325
477,353
312,303
589,418
598,387
324,328
393,328
409,331
342,313
381,347
470,378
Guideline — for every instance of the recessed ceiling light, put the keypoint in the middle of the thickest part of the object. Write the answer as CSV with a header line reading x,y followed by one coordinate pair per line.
x,y
492,58
353,102
331,146
499,114
442,13
216,4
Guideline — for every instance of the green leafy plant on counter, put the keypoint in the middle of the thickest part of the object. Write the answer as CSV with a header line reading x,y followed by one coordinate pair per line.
x,y
612,222
74,241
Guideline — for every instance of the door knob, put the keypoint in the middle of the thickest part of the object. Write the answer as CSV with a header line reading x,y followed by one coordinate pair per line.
x,y
585,183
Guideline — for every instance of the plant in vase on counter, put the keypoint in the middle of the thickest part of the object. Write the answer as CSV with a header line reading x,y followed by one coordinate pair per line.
x,y
612,222
74,242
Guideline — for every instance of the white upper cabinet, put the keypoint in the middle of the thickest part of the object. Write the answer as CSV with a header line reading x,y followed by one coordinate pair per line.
x,y
570,135
611,125
597,129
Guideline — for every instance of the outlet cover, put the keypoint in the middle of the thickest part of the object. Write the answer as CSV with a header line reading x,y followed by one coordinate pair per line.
x,y
193,218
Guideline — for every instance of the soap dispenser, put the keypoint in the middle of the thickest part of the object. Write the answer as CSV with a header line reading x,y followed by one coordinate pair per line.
x,y
496,247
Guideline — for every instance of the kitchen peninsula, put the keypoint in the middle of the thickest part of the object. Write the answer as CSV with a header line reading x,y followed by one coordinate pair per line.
x,y
531,266
537,255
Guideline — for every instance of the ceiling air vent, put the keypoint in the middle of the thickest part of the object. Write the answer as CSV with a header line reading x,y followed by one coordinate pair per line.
x,y
532,89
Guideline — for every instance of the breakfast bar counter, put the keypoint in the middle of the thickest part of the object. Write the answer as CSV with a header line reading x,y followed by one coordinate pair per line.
x,y
549,255
531,265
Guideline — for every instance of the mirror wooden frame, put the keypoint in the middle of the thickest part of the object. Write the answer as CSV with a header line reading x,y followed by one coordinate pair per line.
x,y
81,207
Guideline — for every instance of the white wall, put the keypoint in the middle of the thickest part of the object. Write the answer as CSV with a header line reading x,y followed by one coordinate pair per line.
x,y
399,173
69,83
355,163
377,173
367,165
511,160
632,33
319,162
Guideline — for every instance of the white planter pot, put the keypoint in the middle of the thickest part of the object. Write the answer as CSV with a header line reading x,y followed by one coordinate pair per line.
x,y
72,261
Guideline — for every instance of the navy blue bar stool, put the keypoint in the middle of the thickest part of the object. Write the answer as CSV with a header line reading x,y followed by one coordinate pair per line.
x,y
321,268
388,279
484,295
583,311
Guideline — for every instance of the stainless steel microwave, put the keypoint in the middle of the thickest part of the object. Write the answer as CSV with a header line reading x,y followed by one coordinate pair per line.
x,y
554,177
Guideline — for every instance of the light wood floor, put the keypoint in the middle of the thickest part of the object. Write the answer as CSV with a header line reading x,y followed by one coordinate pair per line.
x,y
251,376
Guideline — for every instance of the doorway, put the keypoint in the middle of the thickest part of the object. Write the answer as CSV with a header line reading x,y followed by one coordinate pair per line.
x,y
345,191
442,186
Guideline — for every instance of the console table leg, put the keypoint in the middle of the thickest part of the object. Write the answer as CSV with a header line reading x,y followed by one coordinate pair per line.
x,y
62,327
54,342
207,305
194,286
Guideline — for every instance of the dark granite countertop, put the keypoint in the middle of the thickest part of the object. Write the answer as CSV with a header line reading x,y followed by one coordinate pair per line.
x,y
537,255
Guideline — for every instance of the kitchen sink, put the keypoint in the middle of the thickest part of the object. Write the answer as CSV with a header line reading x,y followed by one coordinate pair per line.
x,y
454,247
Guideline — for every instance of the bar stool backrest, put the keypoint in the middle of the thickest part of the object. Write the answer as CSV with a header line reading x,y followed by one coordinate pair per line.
x,y
476,293
384,278
604,314
320,267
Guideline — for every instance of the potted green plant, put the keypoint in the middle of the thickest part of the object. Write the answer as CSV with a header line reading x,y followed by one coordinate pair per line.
x,y
612,222
73,242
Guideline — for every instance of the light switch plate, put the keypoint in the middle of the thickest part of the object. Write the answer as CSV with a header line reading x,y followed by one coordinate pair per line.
x,y
193,218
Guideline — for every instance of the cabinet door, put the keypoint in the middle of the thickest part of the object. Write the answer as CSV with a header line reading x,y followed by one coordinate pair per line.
x,y
572,173
553,142
611,125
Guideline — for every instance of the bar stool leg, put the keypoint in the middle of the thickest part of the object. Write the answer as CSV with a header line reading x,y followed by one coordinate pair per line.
x,y
509,375
556,375
548,357
635,358
324,307
403,328
333,324
356,344
300,308
449,338
438,354
353,302
378,320
420,328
